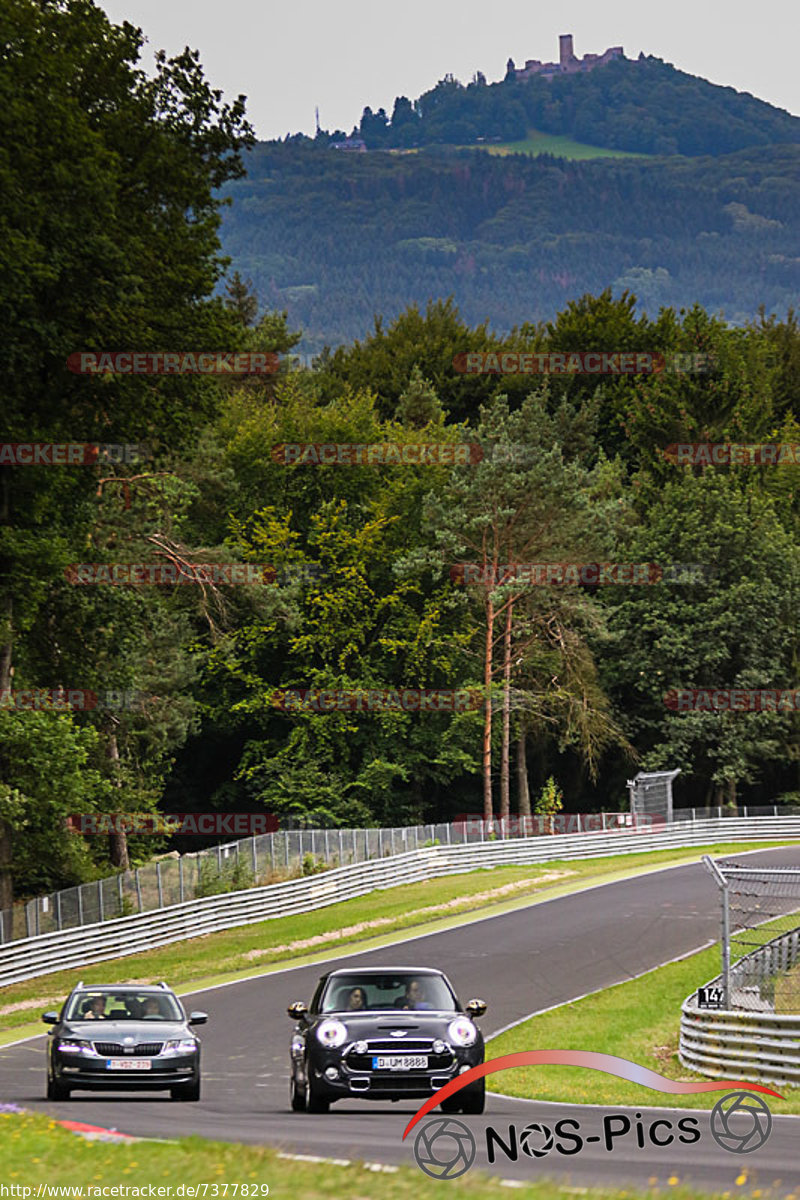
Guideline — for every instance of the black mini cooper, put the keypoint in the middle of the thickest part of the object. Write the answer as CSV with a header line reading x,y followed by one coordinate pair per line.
x,y
115,1038
384,1033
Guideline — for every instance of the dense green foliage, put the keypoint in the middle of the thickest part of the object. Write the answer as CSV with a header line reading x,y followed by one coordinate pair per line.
x,y
335,238
645,106
114,244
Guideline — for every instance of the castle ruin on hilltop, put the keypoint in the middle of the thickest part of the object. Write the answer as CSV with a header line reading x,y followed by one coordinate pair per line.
x,y
567,63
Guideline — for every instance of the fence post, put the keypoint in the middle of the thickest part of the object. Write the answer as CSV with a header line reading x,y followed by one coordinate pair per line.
x,y
219,857
327,851
180,880
341,848
99,900
138,894
603,815
80,904
255,859
58,912
745,810
286,839
449,829
160,887
272,852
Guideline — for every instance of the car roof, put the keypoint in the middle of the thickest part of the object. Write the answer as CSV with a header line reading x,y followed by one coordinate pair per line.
x,y
156,989
391,970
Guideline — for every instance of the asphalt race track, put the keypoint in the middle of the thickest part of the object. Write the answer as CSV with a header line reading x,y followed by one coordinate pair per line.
x,y
520,962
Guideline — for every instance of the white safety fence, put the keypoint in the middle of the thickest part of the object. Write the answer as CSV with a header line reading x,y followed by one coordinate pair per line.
x,y
42,955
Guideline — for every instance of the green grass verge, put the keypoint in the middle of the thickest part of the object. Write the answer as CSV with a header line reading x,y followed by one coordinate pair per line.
x,y
34,1150
365,922
638,1021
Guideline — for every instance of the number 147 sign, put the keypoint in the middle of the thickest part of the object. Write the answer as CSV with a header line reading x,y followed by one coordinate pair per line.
x,y
710,997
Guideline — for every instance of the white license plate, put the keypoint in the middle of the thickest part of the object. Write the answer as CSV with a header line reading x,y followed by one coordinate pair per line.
x,y
400,1062
128,1064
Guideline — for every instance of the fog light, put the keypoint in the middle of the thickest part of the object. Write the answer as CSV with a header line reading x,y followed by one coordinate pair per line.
x,y
360,1048
462,1070
438,1046
331,1073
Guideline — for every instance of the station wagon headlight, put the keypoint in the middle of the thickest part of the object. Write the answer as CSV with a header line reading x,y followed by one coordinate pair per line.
x,y
75,1046
462,1032
180,1046
332,1033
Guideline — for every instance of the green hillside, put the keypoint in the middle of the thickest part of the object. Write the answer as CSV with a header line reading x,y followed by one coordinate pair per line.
x,y
644,107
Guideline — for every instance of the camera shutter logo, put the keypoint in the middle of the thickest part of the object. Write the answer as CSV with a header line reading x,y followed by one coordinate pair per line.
x,y
740,1122
444,1148
536,1140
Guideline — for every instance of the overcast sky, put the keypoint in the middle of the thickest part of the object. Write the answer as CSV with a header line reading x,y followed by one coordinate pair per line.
x,y
289,57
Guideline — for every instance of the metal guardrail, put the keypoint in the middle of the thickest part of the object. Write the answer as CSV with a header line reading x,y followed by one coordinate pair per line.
x,y
268,858
760,1047
42,955
264,859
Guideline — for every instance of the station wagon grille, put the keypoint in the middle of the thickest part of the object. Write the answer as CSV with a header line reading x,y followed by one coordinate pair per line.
x,y
145,1049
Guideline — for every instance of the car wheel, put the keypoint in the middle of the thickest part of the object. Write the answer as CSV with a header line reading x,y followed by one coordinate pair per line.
x,y
186,1091
452,1104
57,1090
474,1098
297,1096
316,1103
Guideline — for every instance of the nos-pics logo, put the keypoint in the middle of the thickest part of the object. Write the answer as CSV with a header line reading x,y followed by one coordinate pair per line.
x,y
445,1148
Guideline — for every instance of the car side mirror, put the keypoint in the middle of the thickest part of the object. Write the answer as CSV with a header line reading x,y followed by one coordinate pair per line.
x,y
197,1018
50,1018
298,1010
476,1008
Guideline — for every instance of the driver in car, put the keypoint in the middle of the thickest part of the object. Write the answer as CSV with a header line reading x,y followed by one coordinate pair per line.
x,y
96,1009
414,996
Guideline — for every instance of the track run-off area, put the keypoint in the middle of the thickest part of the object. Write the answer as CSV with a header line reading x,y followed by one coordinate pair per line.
x,y
521,962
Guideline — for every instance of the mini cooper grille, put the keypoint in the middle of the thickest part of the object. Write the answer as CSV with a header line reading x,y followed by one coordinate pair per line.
x,y
146,1049
363,1062
400,1045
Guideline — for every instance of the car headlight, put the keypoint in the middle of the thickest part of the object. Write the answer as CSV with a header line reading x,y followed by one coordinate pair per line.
x,y
180,1046
462,1032
76,1045
332,1033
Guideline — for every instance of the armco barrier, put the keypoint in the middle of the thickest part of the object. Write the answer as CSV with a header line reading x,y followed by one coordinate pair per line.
x,y
760,1047
740,1044
30,957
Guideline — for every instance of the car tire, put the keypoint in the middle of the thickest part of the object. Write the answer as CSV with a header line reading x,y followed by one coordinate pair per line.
x,y
474,1099
452,1104
314,1102
185,1091
56,1090
297,1096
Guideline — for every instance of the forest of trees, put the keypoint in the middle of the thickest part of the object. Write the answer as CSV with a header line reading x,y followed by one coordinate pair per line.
x,y
334,238
114,245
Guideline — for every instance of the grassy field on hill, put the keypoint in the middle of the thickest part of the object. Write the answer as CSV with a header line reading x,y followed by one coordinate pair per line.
x,y
553,143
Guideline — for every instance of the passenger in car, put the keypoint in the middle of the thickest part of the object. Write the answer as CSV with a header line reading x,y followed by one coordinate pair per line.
x,y
357,1000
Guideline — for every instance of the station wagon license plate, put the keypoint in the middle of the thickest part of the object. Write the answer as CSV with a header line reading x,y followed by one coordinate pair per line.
x,y
400,1062
128,1064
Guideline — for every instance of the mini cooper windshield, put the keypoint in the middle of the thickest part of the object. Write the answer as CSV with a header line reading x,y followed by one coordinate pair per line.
x,y
397,991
